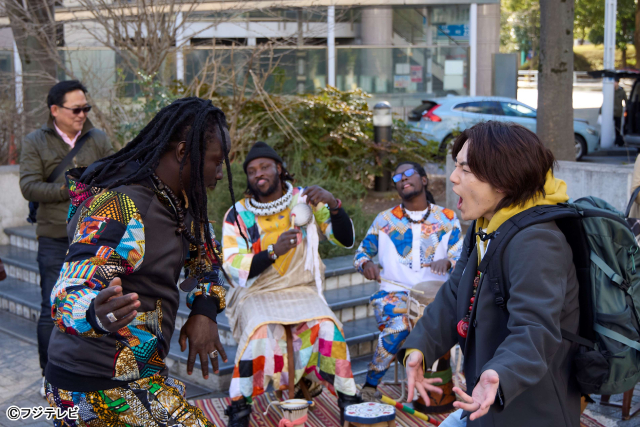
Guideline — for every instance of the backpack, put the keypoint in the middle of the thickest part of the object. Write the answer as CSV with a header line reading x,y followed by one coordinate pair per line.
x,y
607,262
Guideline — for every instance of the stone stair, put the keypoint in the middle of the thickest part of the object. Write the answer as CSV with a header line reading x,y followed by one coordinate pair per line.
x,y
346,292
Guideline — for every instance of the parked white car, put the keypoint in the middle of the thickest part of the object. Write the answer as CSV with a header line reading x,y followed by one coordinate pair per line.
x,y
438,118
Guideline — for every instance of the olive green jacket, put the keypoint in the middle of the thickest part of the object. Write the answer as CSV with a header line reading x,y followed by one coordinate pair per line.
x,y
43,150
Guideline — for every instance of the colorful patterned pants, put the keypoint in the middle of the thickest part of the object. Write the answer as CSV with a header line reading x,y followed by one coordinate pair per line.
x,y
150,402
394,329
320,353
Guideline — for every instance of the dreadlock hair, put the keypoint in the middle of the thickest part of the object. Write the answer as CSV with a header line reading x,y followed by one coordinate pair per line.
x,y
284,176
195,121
422,173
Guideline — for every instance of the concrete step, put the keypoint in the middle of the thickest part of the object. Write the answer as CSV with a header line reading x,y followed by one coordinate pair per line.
x,y
20,259
20,298
23,237
20,263
26,330
349,304
177,363
23,300
20,303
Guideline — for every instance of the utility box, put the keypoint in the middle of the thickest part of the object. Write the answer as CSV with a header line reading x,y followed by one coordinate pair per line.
x,y
505,75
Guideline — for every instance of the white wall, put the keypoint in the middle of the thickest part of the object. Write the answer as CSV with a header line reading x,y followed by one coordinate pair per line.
x,y
13,207
611,183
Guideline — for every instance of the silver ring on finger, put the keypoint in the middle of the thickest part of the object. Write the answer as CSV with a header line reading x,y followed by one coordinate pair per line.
x,y
213,354
112,317
292,241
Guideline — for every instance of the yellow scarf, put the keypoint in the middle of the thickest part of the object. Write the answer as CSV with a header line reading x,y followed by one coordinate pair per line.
x,y
556,192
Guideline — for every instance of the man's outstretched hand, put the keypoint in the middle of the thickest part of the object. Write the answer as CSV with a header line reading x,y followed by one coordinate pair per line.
x,y
202,334
416,379
482,397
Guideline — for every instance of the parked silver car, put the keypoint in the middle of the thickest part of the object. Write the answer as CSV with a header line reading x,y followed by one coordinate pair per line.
x,y
439,118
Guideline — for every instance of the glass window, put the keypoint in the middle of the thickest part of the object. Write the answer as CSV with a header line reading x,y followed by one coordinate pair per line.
x,y
517,110
479,107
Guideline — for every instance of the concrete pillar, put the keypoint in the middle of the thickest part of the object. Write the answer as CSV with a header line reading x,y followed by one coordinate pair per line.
x,y
179,46
607,135
432,51
331,46
473,49
488,43
17,69
377,30
300,55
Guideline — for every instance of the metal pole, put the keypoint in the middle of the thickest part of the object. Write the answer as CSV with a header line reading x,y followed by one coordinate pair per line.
x,y
473,48
179,45
331,45
607,134
17,68
382,121
431,51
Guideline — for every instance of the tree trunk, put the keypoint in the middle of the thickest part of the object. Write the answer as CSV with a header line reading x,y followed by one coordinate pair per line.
x,y
35,35
636,36
555,78
624,57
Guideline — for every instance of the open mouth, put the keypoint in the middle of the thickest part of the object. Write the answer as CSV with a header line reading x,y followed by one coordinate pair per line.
x,y
262,182
459,203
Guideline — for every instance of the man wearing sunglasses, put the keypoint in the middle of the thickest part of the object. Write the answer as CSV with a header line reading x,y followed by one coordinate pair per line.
x,y
416,241
42,181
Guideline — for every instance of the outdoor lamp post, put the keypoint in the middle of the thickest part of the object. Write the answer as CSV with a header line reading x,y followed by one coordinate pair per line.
x,y
382,133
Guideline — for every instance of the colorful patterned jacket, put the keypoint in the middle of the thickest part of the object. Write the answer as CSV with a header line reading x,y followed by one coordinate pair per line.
x,y
127,232
405,250
262,232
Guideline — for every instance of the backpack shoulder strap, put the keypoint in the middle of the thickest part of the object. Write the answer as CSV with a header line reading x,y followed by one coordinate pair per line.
x,y
506,232
69,157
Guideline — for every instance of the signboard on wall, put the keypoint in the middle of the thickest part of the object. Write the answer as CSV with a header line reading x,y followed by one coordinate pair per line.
x,y
401,82
416,73
453,75
454,31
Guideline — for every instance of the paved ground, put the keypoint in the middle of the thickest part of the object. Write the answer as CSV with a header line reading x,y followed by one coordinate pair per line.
x,y
20,381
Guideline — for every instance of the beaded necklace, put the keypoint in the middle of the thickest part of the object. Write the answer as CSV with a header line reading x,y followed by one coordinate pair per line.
x,y
463,325
199,266
271,208
411,220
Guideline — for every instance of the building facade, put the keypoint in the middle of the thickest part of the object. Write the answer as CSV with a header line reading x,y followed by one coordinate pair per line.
x,y
397,50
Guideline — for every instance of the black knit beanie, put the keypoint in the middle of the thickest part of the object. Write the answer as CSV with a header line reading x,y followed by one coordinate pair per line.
x,y
261,150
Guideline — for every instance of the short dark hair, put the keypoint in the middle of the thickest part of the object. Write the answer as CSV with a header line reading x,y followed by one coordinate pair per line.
x,y
509,157
422,173
59,90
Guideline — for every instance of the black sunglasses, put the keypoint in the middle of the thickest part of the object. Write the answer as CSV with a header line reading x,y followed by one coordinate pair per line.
x,y
77,111
398,177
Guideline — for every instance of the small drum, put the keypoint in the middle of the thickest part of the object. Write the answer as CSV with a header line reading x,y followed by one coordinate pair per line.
x,y
418,301
294,410
370,414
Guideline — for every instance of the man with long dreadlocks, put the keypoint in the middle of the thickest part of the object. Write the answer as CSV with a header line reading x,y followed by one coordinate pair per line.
x,y
137,218
416,241
270,247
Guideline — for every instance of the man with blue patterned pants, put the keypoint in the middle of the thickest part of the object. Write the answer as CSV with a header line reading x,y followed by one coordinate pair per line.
x,y
416,241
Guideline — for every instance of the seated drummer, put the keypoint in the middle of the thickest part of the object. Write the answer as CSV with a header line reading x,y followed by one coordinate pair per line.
x,y
265,256
416,241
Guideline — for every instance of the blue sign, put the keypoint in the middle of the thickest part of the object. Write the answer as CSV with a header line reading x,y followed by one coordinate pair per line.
x,y
456,32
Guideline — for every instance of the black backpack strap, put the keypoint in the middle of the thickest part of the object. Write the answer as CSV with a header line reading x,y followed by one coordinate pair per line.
x,y
68,158
632,200
577,339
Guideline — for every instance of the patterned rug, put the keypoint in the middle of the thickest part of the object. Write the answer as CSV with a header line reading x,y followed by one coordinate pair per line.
x,y
325,413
